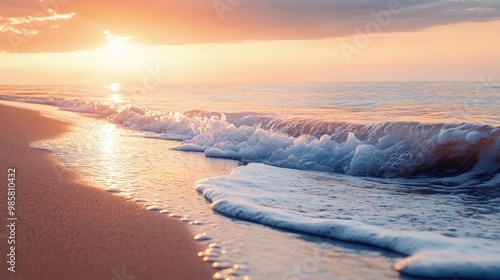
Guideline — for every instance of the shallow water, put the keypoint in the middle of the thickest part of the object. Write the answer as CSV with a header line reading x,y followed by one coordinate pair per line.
x,y
145,171
395,172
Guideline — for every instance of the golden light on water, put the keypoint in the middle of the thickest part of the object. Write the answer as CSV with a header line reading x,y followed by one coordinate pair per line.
x,y
115,96
108,139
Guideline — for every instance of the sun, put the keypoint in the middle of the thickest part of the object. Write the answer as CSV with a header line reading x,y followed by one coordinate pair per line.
x,y
114,87
120,58
117,45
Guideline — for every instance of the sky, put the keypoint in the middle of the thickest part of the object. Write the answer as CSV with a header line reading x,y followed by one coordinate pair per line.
x,y
248,41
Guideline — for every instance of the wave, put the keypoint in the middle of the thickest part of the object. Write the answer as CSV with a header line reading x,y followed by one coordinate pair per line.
x,y
387,150
277,197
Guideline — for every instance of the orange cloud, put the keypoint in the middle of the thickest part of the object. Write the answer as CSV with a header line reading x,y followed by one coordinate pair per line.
x,y
164,22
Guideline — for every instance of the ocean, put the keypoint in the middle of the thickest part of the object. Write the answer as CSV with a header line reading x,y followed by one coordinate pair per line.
x,y
397,180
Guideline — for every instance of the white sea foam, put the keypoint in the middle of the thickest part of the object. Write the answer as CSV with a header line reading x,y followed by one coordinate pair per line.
x,y
391,149
42,146
356,210
429,218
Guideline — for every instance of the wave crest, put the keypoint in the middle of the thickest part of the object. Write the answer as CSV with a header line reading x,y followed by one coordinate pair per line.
x,y
390,149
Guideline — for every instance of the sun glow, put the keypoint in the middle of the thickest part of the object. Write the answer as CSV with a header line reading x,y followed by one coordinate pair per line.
x,y
120,57
114,87
118,45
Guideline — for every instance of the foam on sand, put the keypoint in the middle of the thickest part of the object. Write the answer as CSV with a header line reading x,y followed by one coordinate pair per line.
x,y
282,198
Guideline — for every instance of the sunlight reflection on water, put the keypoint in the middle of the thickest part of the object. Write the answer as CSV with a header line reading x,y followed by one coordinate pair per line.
x,y
147,172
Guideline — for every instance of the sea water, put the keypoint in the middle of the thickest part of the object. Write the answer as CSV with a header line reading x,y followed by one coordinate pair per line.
x,y
300,181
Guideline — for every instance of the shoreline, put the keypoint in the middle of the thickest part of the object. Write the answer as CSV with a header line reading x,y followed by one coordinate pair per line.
x,y
68,229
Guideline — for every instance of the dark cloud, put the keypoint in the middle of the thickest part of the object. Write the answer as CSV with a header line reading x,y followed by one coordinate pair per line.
x,y
204,21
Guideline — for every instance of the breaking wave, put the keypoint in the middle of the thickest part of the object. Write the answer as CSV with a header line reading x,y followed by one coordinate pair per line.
x,y
387,150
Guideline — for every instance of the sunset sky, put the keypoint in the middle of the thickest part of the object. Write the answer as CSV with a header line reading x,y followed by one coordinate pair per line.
x,y
239,41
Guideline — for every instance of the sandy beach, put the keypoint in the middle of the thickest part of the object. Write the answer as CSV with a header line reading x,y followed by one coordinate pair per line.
x,y
67,229
262,140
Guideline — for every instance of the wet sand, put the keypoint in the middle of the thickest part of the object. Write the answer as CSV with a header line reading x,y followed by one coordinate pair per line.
x,y
67,229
